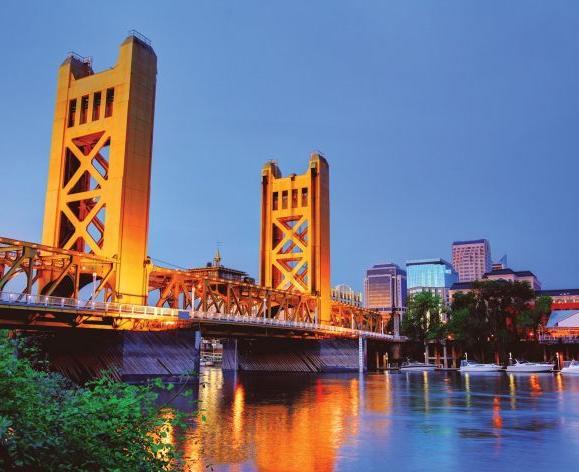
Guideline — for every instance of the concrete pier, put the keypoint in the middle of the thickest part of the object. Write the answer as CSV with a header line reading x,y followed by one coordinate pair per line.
x,y
292,355
129,356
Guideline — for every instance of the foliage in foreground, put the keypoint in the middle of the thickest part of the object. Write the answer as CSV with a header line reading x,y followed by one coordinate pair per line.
x,y
48,424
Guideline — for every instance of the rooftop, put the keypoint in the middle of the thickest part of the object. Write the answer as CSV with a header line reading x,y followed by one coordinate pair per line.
x,y
560,292
461,286
437,260
474,241
568,318
518,273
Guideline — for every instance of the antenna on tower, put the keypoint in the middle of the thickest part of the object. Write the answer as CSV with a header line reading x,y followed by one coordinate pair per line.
x,y
217,258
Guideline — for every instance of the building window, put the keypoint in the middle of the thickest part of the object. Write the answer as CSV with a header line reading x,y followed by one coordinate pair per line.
x,y
71,112
275,202
295,198
109,102
304,197
83,109
96,106
284,199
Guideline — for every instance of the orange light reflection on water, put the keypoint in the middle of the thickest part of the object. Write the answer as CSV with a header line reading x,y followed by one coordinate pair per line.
x,y
536,388
304,434
497,418
513,391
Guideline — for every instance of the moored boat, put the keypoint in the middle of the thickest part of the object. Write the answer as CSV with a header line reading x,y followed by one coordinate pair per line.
x,y
469,366
571,369
417,366
530,367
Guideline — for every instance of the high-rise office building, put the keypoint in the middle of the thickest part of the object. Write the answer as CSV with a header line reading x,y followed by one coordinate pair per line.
x,y
431,275
471,259
385,288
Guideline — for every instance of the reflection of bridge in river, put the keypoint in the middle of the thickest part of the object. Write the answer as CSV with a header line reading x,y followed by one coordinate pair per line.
x,y
317,416
393,421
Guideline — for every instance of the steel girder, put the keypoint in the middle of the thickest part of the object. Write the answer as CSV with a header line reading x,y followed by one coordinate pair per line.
x,y
350,316
175,289
52,271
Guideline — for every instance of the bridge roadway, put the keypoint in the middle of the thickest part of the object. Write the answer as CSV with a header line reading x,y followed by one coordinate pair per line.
x,y
40,312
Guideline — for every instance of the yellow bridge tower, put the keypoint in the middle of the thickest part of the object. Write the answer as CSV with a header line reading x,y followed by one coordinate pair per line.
x,y
295,231
97,197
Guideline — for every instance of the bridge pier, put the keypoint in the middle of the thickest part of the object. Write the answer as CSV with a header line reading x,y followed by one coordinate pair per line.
x,y
295,355
82,355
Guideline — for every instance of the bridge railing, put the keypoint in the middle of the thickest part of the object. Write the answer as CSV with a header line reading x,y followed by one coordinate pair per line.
x,y
172,315
72,303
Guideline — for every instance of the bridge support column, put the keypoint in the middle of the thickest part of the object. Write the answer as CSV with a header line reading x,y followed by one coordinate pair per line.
x,y
129,356
294,355
395,353
230,359
362,354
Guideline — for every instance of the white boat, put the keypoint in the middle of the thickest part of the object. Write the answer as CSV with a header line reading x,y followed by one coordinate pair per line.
x,y
469,366
571,369
417,366
530,367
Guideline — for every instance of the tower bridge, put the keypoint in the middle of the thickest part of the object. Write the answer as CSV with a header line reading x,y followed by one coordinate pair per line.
x,y
95,236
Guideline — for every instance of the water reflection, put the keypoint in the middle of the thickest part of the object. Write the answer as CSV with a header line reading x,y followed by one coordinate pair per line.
x,y
434,421
513,391
497,418
535,385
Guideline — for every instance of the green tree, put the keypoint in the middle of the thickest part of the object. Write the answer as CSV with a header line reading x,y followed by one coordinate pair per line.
x,y
46,423
536,316
423,321
487,317
467,325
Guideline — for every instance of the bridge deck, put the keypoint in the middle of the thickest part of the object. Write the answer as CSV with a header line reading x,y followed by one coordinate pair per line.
x,y
44,312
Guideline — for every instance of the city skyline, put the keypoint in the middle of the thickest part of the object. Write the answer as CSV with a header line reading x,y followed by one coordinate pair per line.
x,y
189,149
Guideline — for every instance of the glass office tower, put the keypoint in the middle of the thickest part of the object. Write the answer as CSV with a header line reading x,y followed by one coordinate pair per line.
x,y
385,288
432,275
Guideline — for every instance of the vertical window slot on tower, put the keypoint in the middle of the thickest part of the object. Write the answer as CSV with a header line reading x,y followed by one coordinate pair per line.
x,y
304,197
284,200
294,198
109,102
83,109
71,112
96,106
275,203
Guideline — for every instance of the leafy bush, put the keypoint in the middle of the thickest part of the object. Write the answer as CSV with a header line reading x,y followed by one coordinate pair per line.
x,y
46,423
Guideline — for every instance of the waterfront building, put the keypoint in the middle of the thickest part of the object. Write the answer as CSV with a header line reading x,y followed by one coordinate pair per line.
x,y
432,275
519,276
385,288
501,274
566,298
345,294
561,333
471,259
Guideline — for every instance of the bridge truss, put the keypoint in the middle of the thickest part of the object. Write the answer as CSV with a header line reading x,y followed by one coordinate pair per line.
x,y
60,274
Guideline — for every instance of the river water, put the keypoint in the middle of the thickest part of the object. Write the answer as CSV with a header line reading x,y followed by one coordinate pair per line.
x,y
437,421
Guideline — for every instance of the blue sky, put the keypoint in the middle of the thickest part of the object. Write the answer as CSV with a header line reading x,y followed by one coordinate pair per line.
x,y
441,120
